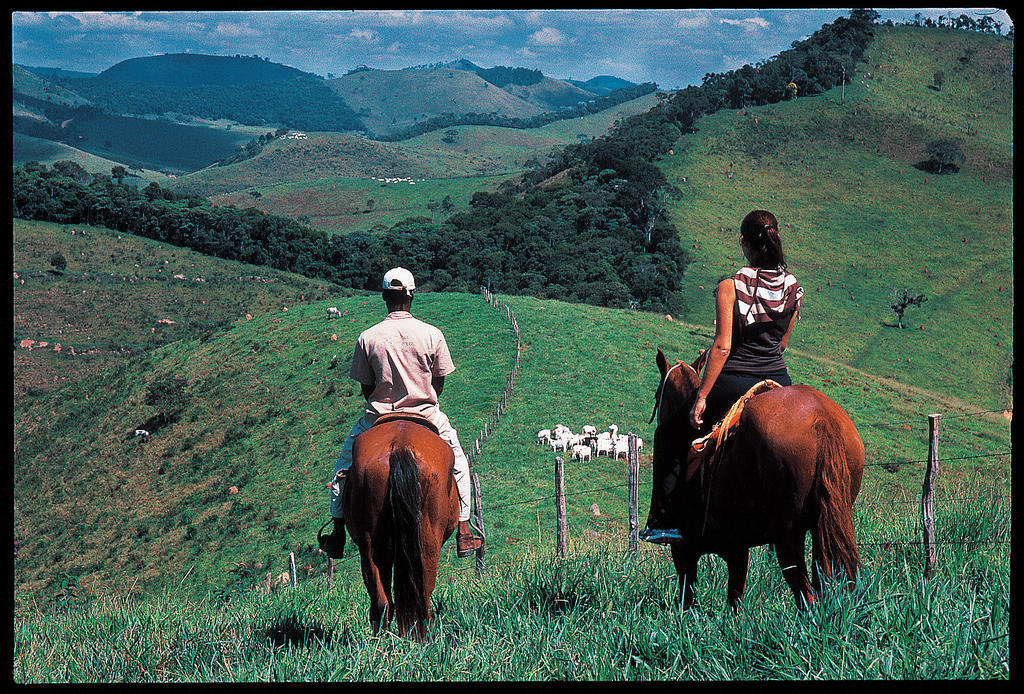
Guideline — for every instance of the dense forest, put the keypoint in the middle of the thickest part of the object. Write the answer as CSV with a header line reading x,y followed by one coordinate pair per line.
x,y
306,103
571,242
598,235
501,76
190,69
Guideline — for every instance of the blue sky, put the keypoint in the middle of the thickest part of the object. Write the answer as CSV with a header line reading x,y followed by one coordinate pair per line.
x,y
674,48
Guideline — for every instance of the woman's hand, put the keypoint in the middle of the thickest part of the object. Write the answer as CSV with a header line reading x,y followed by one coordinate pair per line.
x,y
697,412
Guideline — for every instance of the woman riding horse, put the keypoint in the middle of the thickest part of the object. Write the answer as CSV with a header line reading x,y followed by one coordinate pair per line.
x,y
790,463
755,313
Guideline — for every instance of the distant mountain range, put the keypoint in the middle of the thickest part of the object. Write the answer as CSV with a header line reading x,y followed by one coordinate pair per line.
x,y
76,108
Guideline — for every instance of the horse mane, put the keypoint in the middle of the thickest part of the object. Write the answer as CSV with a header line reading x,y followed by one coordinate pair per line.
x,y
403,498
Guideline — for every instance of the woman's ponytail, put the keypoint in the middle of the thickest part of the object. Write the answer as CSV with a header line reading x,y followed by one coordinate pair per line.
x,y
760,229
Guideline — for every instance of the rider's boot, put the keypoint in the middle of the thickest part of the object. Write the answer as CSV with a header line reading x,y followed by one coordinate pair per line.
x,y
333,545
466,542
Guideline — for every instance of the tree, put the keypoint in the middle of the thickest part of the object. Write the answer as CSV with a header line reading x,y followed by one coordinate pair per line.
x,y
944,154
58,262
901,300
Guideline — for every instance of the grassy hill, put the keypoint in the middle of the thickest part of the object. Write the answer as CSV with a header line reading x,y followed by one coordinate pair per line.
x,y
858,220
328,178
108,304
27,83
388,101
551,94
259,408
190,69
27,148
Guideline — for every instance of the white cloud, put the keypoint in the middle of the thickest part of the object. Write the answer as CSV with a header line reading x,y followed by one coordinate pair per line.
x,y
363,35
750,24
692,20
233,30
548,36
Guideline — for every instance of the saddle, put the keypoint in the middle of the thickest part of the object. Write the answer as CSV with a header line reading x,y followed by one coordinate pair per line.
x,y
702,450
407,417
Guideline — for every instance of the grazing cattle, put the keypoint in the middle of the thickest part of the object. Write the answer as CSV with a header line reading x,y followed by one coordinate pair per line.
x,y
143,433
544,437
589,432
581,452
621,447
604,444
558,442
333,312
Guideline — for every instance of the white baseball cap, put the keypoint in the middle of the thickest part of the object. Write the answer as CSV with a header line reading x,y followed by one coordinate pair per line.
x,y
399,278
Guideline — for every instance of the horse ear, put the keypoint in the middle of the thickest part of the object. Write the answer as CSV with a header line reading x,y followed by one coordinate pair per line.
x,y
701,360
662,362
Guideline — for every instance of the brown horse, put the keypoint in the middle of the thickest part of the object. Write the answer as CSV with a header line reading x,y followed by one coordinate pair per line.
x,y
793,464
401,504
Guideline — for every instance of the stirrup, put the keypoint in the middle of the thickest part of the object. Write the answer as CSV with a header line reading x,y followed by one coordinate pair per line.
x,y
660,536
330,545
474,543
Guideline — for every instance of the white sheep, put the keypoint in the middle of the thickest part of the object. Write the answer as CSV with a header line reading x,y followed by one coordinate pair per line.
x,y
333,312
581,452
557,443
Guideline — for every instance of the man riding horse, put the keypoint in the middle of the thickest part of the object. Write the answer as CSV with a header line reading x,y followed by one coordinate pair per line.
x,y
401,363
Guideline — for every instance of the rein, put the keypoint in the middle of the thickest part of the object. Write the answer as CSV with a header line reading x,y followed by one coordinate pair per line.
x,y
661,388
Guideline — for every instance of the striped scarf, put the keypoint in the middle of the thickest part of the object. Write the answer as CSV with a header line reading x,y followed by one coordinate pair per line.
x,y
766,295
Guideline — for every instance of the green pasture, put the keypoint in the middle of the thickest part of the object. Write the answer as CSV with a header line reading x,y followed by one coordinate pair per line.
x,y
163,558
27,148
598,614
114,292
344,205
260,408
327,177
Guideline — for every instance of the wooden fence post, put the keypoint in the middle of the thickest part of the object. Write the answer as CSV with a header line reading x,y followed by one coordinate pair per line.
x,y
478,512
291,568
561,527
927,512
634,476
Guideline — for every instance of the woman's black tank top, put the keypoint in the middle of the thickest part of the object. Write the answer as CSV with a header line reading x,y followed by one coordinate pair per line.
x,y
757,348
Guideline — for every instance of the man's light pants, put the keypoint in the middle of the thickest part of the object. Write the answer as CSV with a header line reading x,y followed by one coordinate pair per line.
x,y
446,432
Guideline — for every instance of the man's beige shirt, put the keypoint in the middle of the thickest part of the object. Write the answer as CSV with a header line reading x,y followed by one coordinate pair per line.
x,y
399,356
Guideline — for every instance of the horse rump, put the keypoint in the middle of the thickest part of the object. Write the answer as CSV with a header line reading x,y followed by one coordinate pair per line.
x,y
404,497
834,545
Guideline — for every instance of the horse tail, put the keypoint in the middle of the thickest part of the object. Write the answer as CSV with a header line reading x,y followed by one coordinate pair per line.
x,y
836,544
404,498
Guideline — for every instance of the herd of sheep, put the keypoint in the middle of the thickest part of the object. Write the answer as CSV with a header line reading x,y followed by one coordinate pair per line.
x,y
588,443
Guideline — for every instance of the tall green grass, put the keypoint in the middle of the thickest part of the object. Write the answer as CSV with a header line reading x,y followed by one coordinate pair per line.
x,y
598,614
